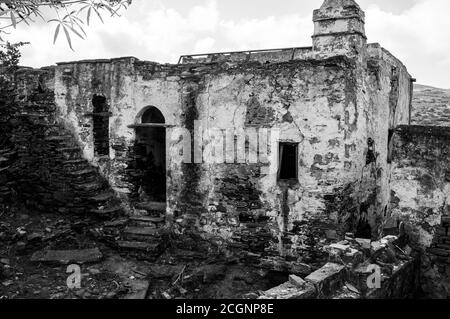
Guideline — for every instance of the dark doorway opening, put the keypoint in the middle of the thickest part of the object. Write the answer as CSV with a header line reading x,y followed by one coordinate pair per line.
x,y
101,125
150,150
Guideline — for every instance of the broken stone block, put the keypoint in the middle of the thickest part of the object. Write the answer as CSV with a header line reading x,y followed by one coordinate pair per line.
x,y
297,281
376,246
35,237
358,277
4,261
353,256
340,247
290,291
65,257
364,243
331,234
138,289
327,279
388,239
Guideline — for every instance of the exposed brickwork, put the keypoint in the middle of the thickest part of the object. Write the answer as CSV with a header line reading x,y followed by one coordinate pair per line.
x,y
421,199
45,168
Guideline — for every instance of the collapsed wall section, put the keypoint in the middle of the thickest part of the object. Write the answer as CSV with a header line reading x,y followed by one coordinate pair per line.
x,y
420,199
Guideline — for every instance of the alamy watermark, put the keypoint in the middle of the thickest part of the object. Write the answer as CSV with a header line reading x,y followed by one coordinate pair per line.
x,y
374,280
74,279
229,145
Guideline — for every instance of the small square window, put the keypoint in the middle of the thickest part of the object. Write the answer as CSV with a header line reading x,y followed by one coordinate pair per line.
x,y
288,169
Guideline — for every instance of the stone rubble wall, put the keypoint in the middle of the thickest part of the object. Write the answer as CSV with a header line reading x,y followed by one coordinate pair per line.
x,y
350,273
420,200
331,107
43,168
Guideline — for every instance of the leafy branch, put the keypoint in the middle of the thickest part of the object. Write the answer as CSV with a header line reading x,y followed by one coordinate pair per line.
x,y
77,14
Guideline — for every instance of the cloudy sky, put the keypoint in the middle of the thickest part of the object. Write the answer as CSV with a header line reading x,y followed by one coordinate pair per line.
x,y
416,31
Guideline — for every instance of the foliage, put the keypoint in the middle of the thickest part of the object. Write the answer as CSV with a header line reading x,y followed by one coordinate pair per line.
x,y
70,16
10,55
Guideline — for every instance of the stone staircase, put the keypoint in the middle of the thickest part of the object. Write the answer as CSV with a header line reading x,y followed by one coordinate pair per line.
x,y
44,165
50,173
142,236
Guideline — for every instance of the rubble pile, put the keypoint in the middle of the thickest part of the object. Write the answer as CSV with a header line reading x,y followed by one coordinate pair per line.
x,y
352,270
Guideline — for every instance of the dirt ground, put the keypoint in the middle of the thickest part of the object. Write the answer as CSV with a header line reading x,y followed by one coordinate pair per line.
x,y
116,275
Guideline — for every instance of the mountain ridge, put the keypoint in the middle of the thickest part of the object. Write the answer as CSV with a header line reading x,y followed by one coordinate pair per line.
x,y
430,106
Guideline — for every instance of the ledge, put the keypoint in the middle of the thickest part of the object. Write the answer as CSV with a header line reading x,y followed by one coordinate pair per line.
x,y
340,34
150,125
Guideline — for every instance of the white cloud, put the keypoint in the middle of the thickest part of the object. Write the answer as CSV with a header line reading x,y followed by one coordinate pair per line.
x,y
204,45
272,32
150,30
419,37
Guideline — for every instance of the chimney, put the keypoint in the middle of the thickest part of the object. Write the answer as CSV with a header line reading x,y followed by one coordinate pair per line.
x,y
339,29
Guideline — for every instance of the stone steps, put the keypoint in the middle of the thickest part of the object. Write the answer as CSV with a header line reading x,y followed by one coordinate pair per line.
x,y
59,138
140,246
87,171
104,197
107,212
89,187
147,219
152,206
141,231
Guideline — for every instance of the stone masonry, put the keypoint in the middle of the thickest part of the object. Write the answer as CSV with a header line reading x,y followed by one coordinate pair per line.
x,y
130,141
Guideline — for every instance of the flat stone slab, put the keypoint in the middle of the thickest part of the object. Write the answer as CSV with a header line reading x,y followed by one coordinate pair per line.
x,y
107,211
147,219
68,256
325,273
102,197
340,247
141,231
290,291
83,172
364,243
327,278
135,245
156,206
139,289
297,281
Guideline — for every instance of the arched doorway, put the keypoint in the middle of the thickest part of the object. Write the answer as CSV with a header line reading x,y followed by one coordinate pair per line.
x,y
150,151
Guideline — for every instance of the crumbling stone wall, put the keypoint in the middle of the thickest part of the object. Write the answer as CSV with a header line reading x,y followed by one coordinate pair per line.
x,y
319,104
420,199
308,101
337,101
388,86
44,167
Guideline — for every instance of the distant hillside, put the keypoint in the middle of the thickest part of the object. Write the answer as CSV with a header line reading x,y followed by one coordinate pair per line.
x,y
431,106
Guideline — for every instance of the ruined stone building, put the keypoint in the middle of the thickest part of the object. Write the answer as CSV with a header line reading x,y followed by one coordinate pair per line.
x,y
108,137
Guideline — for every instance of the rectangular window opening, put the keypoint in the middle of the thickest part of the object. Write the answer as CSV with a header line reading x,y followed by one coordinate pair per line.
x,y
288,169
390,145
